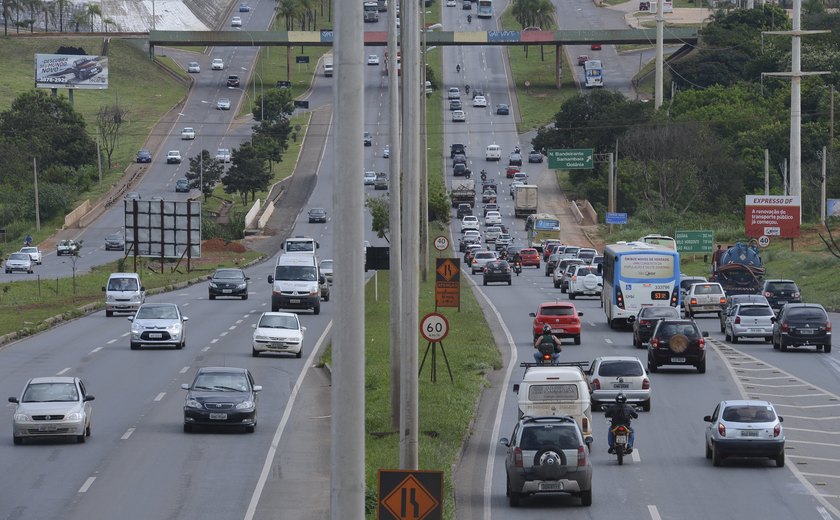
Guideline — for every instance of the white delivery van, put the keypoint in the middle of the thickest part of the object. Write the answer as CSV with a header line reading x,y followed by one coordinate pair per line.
x,y
300,245
296,283
124,293
555,390
493,152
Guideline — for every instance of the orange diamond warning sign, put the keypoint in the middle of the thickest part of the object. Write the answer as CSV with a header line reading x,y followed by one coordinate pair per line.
x,y
410,495
448,269
448,282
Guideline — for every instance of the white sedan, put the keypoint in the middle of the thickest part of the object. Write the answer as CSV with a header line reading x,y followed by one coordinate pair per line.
x,y
193,67
370,178
492,218
223,155
480,101
236,21
450,3
373,59
217,64
459,116
223,104
469,222
188,133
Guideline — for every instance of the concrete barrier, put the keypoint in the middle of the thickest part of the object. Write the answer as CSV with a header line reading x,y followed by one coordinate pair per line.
x,y
576,212
72,218
590,216
252,214
263,220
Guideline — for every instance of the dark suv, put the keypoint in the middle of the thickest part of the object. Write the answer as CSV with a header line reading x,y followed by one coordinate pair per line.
x,y
677,342
457,148
801,325
547,455
645,322
463,210
780,293
233,80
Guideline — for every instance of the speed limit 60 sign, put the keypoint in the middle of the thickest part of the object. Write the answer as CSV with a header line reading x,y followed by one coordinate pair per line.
x,y
434,327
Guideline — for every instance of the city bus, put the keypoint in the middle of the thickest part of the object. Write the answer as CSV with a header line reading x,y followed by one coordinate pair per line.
x,y
485,9
593,74
660,240
542,227
638,275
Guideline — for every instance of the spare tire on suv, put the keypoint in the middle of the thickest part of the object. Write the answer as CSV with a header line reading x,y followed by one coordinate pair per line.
x,y
677,342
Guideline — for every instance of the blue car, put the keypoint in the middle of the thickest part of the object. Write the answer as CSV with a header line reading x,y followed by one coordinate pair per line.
x,y
244,8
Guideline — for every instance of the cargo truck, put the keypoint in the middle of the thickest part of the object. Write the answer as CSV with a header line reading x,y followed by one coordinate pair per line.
x,y
463,191
525,200
328,65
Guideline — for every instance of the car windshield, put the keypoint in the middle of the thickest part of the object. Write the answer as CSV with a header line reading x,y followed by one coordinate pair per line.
x,y
50,393
620,369
749,414
557,311
297,273
221,381
550,435
278,322
229,274
18,256
122,284
781,286
755,310
157,312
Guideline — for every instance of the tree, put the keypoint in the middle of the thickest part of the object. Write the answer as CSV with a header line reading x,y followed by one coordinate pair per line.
x,y
108,122
380,210
7,6
204,172
247,174
93,11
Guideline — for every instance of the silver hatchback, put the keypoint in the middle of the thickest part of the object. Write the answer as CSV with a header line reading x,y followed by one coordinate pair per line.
x,y
749,320
52,407
745,428
158,324
610,375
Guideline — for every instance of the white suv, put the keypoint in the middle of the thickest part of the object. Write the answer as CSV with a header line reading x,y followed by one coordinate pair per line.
x,y
585,280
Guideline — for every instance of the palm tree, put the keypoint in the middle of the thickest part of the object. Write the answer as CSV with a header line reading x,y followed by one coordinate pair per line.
x,y
535,13
93,10
7,6
34,8
288,9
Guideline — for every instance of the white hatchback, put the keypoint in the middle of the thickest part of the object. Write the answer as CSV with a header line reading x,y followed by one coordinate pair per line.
x,y
492,218
188,133
480,259
469,222
278,332
459,116
454,93
217,64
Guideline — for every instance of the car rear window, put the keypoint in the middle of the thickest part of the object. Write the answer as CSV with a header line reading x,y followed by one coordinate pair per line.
x,y
553,392
755,310
781,286
806,314
658,312
671,329
558,311
708,289
749,414
620,369
583,271
538,437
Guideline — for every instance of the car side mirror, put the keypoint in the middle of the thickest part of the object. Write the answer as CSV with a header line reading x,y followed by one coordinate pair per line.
x,y
774,319
142,288
707,418
103,288
185,318
88,398
257,388
504,441
631,319
532,314
781,419
130,318
317,245
270,279
588,440
13,400
580,313
705,334
185,386
516,388
247,278
322,279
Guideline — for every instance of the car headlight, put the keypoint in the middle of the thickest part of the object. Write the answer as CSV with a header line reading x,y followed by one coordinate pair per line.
x,y
136,328
315,292
262,338
242,286
213,285
192,403
109,298
245,405
21,417
73,416
175,328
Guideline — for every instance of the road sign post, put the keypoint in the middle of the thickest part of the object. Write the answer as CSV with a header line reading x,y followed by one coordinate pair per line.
x,y
410,495
448,282
570,159
434,327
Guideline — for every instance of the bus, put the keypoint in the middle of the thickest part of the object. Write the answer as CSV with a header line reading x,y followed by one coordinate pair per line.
x,y
485,9
638,275
542,227
660,240
593,74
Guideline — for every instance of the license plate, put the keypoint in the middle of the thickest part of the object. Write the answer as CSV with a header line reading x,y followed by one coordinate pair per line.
x,y
805,332
551,486
782,302
294,300
749,433
621,439
755,330
621,385
275,344
47,428
556,331
155,335
218,416
227,291
677,360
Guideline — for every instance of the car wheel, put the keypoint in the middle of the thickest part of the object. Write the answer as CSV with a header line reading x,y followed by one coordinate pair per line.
x,y
181,345
108,314
17,440
773,342
708,451
646,405
509,282
734,338
81,438
135,346
726,336
212,296
827,348
562,288
275,308
722,328
652,366
717,458
780,460
586,498
556,285
635,341
577,339
513,497
768,338
245,297
299,353
317,309
188,428
701,368
87,430
327,298
485,282
782,345
572,296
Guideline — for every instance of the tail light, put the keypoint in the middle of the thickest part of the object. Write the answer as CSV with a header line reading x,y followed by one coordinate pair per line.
x,y
767,294
644,322
619,298
737,320
546,357
675,297
596,384
574,278
654,343
828,326
585,423
474,261
693,301
517,457
721,430
581,456
701,343
645,384
785,327
777,430
795,295
723,301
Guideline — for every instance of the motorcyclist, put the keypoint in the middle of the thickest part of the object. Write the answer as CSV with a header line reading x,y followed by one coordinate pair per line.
x,y
469,18
516,149
27,241
549,338
484,175
458,68
620,413
517,258
467,89
504,254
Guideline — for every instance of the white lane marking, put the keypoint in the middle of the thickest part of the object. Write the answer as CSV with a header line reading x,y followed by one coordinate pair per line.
x,y
126,334
832,418
278,433
184,370
800,406
823,513
812,443
63,371
232,327
788,428
214,340
635,456
97,349
127,434
248,315
821,475
822,459
223,334
238,322
205,349
112,341
160,396
86,485
654,513
186,303
608,340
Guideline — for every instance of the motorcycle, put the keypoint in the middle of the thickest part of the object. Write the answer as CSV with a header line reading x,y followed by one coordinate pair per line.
x,y
483,173
516,149
469,20
467,89
621,436
458,68
546,353
517,268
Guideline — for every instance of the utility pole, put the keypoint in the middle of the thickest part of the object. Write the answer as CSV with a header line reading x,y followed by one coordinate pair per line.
x,y
98,157
823,156
766,171
660,38
347,454
395,218
424,167
37,204
409,415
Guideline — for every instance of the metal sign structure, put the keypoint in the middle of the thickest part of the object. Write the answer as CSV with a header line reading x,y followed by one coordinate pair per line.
x,y
163,228
410,495
772,216
616,218
695,241
71,71
447,282
570,159
434,327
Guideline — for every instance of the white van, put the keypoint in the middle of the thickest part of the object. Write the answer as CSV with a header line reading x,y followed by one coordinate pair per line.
x,y
555,390
124,293
493,153
296,283
300,245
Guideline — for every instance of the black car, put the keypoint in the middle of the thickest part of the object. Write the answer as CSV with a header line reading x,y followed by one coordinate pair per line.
x,y
229,282
381,182
551,263
455,104
463,210
317,215
515,159
459,169
502,109
677,342
144,156
368,139
221,396
114,242
645,321
459,159
496,271
535,156
233,80
477,92
457,148
244,8
802,325
182,186
780,293
466,5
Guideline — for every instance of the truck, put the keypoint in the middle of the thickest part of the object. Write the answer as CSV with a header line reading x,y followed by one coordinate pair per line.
x,y
463,191
371,11
738,269
525,200
328,65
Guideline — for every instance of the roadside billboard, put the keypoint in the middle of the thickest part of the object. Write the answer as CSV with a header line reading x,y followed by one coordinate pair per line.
x,y
772,216
71,71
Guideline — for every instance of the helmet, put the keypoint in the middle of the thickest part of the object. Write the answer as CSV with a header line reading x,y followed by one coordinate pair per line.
x,y
546,329
621,398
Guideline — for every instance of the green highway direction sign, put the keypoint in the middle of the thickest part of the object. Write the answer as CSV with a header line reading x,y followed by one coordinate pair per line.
x,y
572,159
695,241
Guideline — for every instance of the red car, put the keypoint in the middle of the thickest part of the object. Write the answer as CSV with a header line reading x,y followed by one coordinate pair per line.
x,y
563,318
530,256
548,248
595,47
511,170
